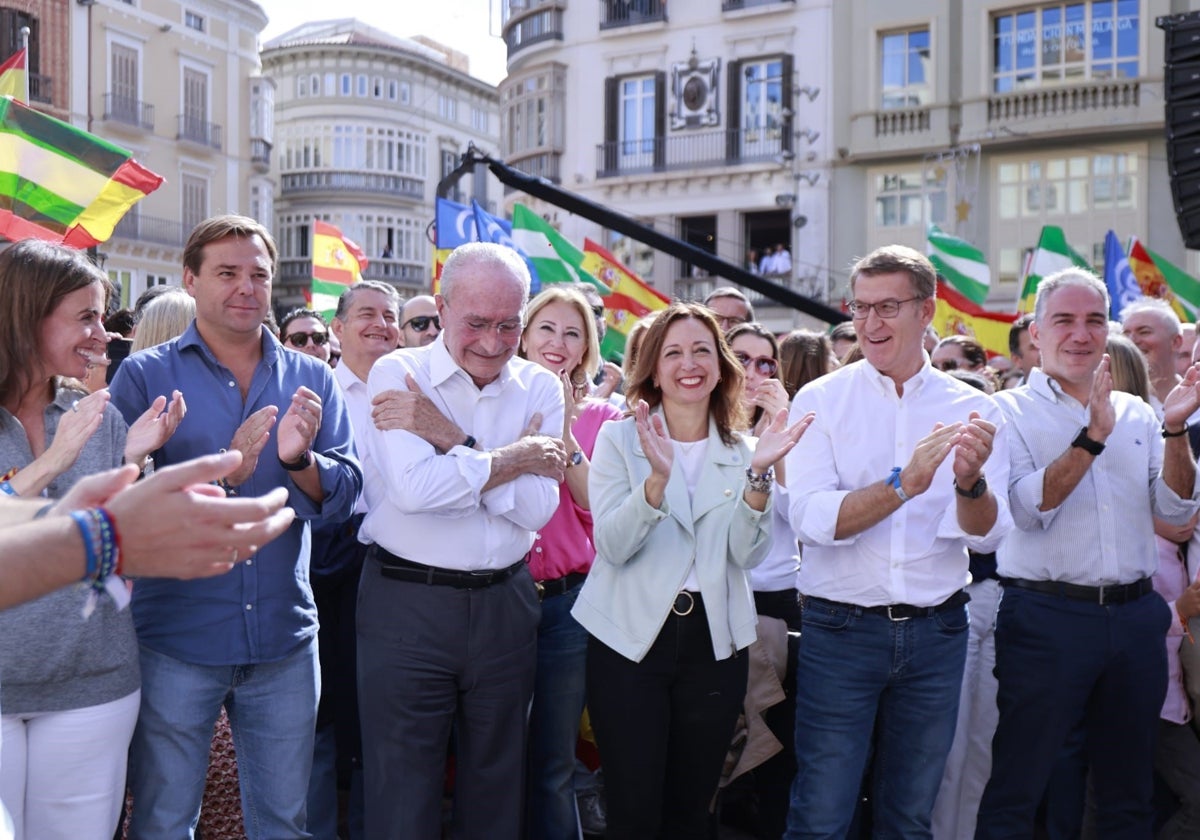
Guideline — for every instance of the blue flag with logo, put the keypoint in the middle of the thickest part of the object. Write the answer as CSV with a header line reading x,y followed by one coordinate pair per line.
x,y
455,224
494,229
1123,287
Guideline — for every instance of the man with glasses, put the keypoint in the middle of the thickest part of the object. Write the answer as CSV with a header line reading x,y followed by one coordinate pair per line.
x,y
419,322
305,331
447,611
730,307
887,493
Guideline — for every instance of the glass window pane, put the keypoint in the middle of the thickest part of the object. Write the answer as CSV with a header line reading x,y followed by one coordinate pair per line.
x,y
1008,173
1075,42
1102,31
1052,35
1026,39
1056,168
1008,202
1077,197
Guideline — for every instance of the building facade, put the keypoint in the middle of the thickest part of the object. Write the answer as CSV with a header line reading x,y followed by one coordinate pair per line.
x,y
367,124
992,119
707,120
177,83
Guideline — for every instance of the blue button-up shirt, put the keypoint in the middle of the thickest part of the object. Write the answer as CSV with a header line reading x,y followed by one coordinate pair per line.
x,y
263,609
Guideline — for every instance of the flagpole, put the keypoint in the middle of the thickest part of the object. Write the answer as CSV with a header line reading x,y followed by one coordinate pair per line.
x,y
25,47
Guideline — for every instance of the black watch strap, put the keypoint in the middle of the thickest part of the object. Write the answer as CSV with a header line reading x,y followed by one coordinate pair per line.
x,y
1093,447
469,442
1180,433
302,463
974,491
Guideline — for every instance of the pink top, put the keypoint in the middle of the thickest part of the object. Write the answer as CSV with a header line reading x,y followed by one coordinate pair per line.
x,y
1170,579
564,544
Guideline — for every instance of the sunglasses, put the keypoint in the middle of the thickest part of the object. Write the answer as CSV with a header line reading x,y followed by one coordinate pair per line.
x,y
946,365
299,339
765,365
420,323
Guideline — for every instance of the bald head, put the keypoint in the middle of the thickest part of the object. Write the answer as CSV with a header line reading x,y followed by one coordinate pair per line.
x,y
419,322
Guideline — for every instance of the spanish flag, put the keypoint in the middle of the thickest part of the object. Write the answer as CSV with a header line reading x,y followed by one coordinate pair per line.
x,y
336,263
13,76
956,315
626,300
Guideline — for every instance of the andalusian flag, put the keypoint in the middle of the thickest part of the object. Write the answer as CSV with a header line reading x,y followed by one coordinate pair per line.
x,y
61,184
1052,254
628,297
962,264
554,258
956,315
1159,278
336,263
14,77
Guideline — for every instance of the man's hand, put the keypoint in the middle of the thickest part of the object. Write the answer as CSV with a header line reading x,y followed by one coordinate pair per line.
x,y
1177,534
1183,400
249,439
973,449
1101,414
412,411
1188,604
299,426
154,428
931,450
608,385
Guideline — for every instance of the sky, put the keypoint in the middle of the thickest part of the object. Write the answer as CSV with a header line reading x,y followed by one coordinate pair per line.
x,y
460,24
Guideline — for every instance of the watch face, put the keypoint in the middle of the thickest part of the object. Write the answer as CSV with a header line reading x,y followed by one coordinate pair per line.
x,y
695,93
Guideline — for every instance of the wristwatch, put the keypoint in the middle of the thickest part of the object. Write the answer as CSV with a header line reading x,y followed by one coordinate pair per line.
x,y
1093,447
302,463
975,491
576,459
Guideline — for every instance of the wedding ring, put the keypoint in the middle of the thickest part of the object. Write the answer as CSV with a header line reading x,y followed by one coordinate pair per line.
x,y
75,405
234,559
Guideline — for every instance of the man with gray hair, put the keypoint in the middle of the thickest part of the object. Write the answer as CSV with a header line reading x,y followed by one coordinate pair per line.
x,y
447,612
1153,326
1080,633
730,307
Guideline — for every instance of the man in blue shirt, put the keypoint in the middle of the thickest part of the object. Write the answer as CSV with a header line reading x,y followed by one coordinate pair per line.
x,y
246,639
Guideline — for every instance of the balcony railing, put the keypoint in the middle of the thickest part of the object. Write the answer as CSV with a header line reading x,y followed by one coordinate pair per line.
x,y
734,5
345,181
544,26
889,123
196,130
260,153
41,89
126,109
614,13
710,148
141,228
298,271
1064,101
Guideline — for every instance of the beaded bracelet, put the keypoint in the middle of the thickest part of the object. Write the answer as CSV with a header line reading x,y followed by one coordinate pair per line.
x,y
101,543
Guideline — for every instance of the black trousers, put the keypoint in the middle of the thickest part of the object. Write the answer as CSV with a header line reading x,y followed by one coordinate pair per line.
x,y
663,726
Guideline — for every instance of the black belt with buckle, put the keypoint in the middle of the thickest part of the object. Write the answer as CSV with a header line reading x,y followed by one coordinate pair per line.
x,y
686,603
559,586
397,568
1118,593
900,612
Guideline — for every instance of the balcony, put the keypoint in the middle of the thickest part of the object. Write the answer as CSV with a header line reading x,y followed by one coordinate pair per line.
x,y
294,183
195,130
545,165
737,5
724,147
41,89
890,131
615,13
125,109
260,155
297,272
546,25
140,228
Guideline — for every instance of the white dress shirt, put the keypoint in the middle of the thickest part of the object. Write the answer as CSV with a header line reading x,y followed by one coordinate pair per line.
x,y
430,507
358,406
862,430
1104,532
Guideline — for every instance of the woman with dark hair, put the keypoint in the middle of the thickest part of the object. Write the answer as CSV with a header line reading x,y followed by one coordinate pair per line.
x,y
959,352
69,690
804,355
763,395
560,335
681,509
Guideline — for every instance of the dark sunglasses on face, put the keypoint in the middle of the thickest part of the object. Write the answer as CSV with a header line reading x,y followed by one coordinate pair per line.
x,y
299,339
765,365
947,365
420,323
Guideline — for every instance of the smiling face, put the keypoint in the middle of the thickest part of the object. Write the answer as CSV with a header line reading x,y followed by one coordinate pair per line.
x,y
424,310
73,335
1071,334
687,370
753,347
368,330
893,346
556,338
1158,339
482,319
232,288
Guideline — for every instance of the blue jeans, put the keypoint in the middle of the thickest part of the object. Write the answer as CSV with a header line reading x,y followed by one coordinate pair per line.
x,y
272,711
860,674
558,697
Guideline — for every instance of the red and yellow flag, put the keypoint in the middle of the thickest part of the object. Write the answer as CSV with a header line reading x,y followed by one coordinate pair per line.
x,y
956,315
1153,281
628,297
335,258
13,76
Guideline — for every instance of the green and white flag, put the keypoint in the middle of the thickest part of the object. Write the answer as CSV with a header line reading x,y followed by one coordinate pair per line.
x,y
554,258
1052,254
962,264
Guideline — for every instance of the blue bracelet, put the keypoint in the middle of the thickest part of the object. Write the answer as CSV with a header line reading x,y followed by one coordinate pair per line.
x,y
7,489
91,542
893,481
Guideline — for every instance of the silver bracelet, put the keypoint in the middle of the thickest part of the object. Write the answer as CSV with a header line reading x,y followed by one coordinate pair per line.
x,y
760,483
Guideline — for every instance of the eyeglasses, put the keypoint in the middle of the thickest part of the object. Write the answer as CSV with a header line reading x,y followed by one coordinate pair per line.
x,y
765,365
728,322
598,311
946,365
299,339
420,323
889,308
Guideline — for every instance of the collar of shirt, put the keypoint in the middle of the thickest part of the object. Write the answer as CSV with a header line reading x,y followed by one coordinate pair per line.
x,y
886,386
271,348
442,367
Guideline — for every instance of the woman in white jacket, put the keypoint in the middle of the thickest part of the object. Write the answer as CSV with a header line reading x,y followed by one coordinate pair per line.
x,y
680,506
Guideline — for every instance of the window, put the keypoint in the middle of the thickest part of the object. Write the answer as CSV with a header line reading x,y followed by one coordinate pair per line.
x,y
194,207
1065,43
759,92
195,125
11,21
637,112
193,21
1075,185
532,115
349,146
347,88
405,93
447,107
314,85
377,88
905,69
123,85
911,198
449,164
301,87
479,120
331,84
361,90
393,88
122,280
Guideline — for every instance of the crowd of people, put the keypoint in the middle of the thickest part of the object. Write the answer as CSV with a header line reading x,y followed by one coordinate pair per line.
x,y
396,564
